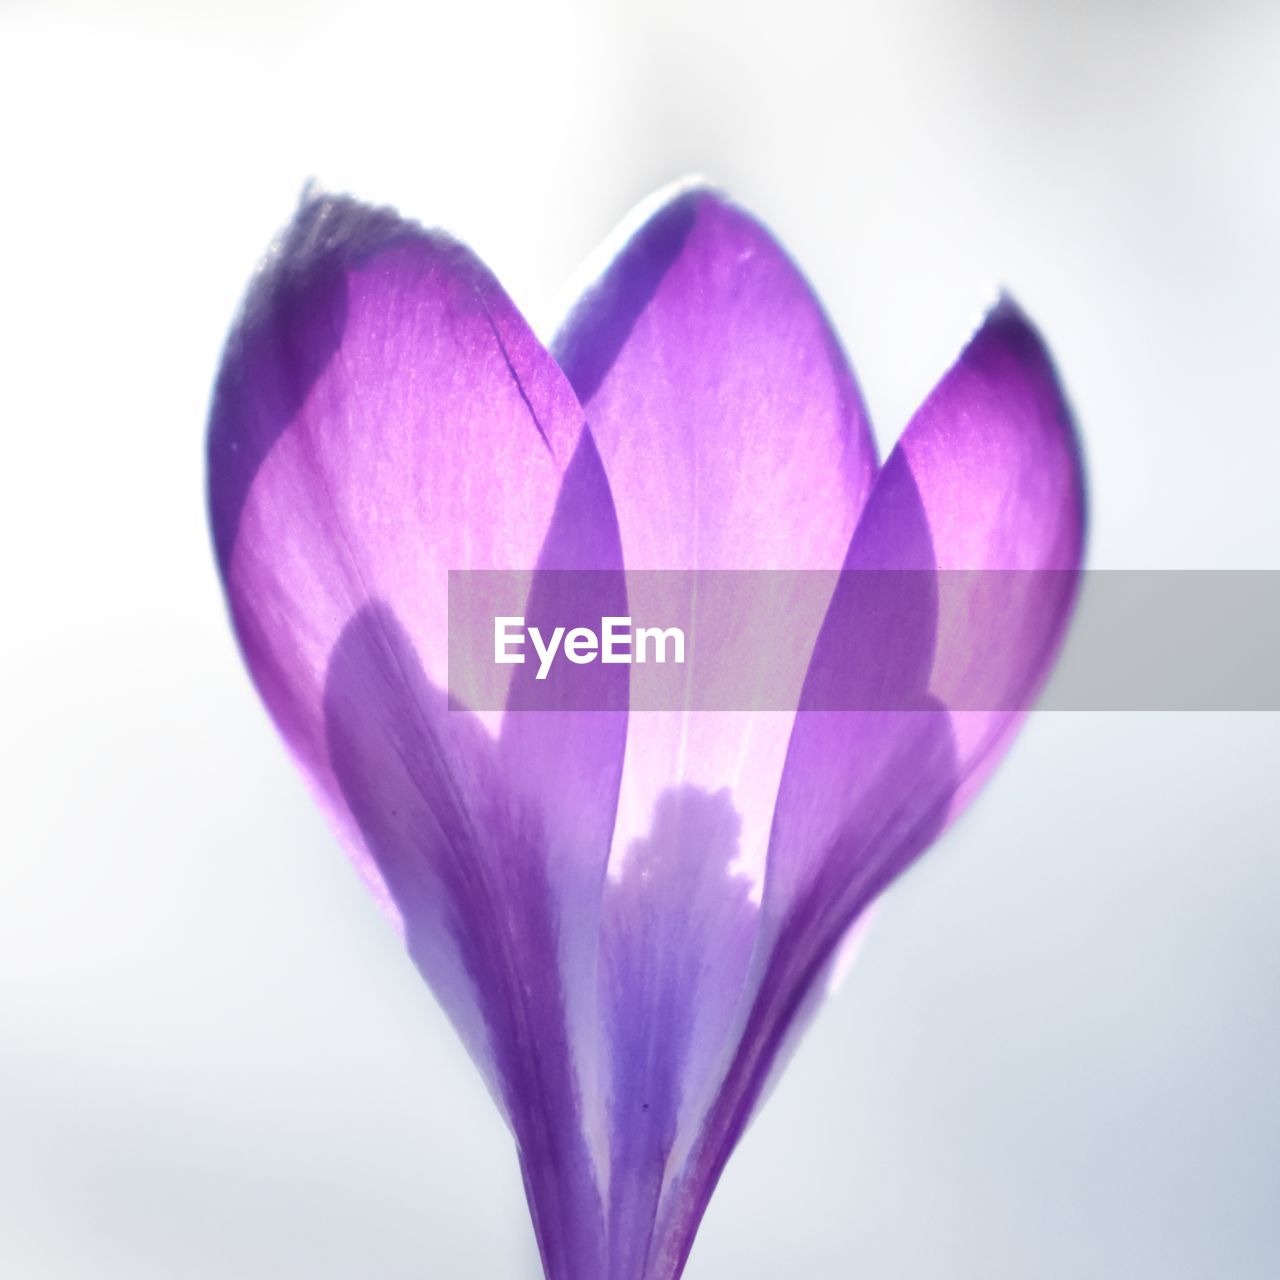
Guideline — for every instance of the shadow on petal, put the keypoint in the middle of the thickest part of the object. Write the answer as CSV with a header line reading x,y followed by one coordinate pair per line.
x,y
678,930
464,863
863,793
290,327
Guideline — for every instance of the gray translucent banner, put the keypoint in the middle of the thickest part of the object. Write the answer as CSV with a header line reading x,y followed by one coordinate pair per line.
x,y
863,640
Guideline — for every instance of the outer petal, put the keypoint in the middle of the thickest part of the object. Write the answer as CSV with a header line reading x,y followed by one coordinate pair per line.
x,y
987,478
383,415
734,438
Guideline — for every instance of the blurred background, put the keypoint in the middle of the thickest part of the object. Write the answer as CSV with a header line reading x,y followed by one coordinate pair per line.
x,y
1059,1053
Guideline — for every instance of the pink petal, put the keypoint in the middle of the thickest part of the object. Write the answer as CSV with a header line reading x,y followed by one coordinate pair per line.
x,y
734,438
988,478
385,415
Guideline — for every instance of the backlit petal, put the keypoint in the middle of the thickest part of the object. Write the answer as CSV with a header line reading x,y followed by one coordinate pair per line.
x,y
986,480
384,415
734,437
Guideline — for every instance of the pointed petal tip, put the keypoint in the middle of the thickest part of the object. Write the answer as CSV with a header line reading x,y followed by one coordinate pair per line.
x,y
1002,314
1010,347
1021,332
1007,305
1008,320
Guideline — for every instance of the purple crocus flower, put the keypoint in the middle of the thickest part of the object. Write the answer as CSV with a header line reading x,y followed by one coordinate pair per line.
x,y
629,917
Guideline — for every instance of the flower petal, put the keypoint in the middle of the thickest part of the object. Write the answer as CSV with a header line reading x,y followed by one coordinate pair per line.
x,y
734,437
728,419
987,478
384,415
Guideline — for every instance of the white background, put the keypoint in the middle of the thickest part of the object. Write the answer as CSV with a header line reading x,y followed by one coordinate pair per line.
x,y
1058,1055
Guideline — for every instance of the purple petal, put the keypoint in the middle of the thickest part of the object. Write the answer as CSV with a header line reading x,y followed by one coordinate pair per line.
x,y
729,422
672,916
384,415
987,477
734,437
